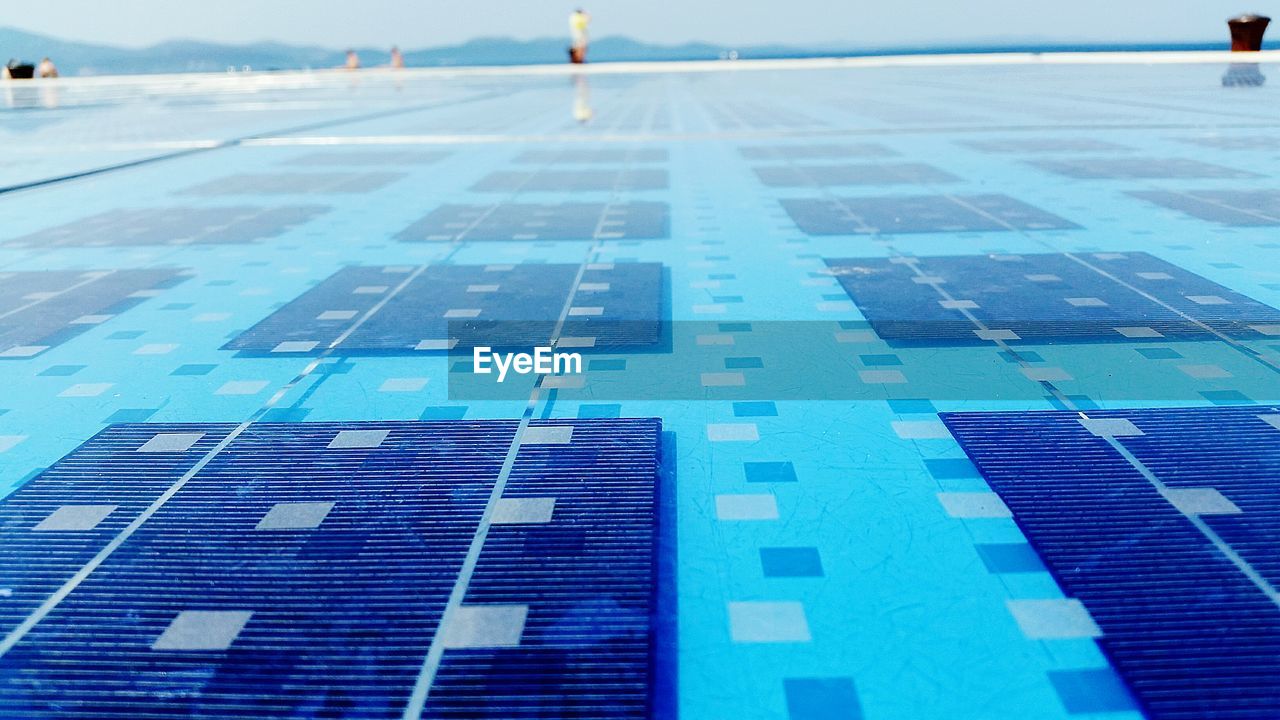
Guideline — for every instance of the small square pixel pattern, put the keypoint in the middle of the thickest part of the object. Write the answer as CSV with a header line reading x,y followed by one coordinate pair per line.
x,y
1094,513
573,181
512,222
864,174
297,183
1236,208
173,226
520,308
919,214
40,309
1032,296
1138,168
330,606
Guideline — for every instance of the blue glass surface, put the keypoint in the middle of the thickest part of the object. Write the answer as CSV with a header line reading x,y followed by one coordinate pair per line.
x,y
827,558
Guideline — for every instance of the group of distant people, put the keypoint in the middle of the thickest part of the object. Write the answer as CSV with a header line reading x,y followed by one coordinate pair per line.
x,y
18,71
579,21
353,59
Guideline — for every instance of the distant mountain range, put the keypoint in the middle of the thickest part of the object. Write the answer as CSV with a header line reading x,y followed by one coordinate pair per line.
x,y
74,58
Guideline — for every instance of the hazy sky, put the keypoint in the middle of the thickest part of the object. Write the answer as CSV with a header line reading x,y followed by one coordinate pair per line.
x,y
422,23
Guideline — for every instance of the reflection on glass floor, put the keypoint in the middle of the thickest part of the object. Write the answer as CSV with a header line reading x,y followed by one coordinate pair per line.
x,y
802,476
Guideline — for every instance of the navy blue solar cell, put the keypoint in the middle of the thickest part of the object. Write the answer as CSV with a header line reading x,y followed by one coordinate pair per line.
x,y
41,309
1010,558
951,469
822,698
403,310
919,214
173,226
588,576
524,222
816,152
307,567
863,174
1045,297
592,155
573,180
1165,523
1239,208
295,183
1044,145
1100,168
790,562
769,472
367,157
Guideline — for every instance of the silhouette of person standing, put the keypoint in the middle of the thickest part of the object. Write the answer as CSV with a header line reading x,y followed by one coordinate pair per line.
x,y
397,59
578,22
353,60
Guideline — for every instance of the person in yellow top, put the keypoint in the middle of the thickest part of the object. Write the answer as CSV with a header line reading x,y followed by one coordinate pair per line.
x,y
578,22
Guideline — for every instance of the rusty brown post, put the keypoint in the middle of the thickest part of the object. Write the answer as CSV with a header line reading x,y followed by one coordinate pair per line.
x,y
1246,32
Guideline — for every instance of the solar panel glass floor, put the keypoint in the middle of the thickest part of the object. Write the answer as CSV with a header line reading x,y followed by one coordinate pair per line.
x,y
239,479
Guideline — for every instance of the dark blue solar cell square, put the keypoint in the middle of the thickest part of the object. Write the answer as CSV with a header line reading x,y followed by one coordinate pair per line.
x,y
915,406
1159,353
881,360
761,408
408,310
336,158
42,309
62,370
1021,356
194,369
971,299
1138,168
769,472
842,151
1226,397
312,564
1164,524
599,410
743,363
173,226
1010,558
919,214
951,469
1092,690
1044,145
1238,208
861,174
790,562
573,156
309,183
444,412
529,222
824,698
573,181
